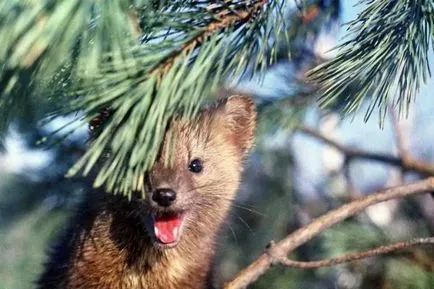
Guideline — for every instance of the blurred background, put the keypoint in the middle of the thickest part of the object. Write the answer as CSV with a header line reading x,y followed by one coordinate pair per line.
x,y
291,177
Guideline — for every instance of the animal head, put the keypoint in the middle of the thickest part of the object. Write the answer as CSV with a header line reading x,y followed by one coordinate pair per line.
x,y
196,188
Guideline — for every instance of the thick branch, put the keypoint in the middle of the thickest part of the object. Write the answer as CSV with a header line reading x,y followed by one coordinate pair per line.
x,y
406,162
349,257
318,225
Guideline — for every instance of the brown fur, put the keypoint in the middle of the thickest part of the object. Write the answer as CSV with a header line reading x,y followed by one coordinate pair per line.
x,y
108,244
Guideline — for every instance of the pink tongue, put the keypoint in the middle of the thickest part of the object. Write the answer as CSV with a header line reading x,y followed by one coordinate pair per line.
x,y
166,228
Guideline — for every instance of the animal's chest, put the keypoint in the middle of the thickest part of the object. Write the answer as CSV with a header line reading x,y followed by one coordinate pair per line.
x,y
159,276
162,281
159,282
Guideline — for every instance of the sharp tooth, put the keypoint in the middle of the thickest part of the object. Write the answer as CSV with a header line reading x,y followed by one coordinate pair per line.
x,y
175,232
156,231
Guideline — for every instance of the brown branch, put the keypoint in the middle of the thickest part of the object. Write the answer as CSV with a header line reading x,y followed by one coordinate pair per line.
x,y
407,162
222,19
301,236
349,257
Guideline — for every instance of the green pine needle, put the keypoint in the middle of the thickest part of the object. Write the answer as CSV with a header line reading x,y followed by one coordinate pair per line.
x,y
385,58
145,60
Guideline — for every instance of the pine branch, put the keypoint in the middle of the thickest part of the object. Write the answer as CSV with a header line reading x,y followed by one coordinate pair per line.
x,y
386,57
301,236
223,19
42,37
174,82
185,49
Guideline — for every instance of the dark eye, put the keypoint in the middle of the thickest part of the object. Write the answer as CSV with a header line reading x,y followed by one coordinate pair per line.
x,y
195,166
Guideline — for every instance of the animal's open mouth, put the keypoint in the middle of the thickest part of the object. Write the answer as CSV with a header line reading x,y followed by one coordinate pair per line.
x,y
168,227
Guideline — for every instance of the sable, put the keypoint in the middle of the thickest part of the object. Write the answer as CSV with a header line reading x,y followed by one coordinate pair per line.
x,y
167,239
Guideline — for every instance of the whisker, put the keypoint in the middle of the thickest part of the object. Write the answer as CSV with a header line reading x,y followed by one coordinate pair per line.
x,y
237,205
245,223
248,209
233,233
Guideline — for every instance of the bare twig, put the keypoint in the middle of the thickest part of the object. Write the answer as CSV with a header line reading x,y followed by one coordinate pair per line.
x,y
349,257
407,162
281,249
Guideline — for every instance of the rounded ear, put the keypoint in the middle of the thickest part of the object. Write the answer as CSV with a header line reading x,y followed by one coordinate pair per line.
x,y
238,114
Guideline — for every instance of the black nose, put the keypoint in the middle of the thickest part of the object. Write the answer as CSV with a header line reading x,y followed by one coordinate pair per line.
x,y
164,197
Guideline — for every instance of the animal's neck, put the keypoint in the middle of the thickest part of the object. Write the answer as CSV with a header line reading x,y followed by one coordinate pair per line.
x,y
117,249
